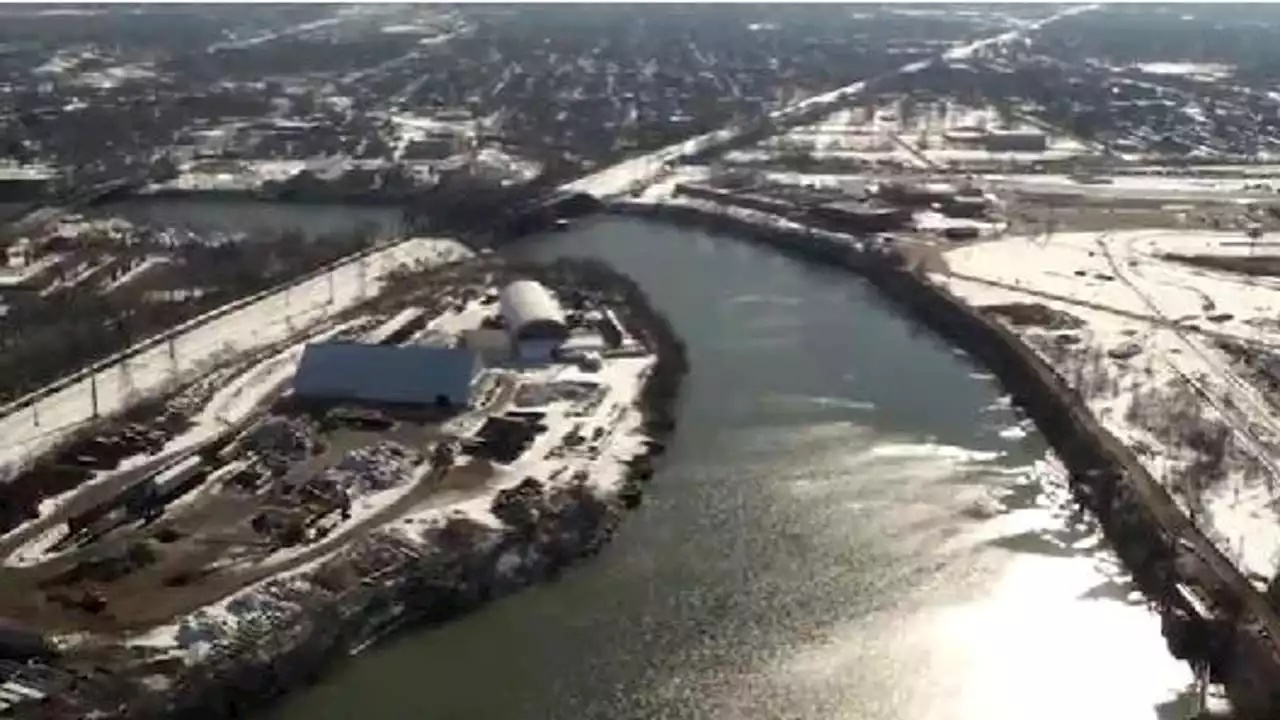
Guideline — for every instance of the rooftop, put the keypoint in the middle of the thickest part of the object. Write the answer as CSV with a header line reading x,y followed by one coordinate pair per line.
x,y
412,374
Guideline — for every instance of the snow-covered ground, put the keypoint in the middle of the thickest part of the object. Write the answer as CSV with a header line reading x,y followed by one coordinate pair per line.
x,y
247,175
507,166
1147,359
934,135
1143,187
1207,71
259,605
266,321
936,221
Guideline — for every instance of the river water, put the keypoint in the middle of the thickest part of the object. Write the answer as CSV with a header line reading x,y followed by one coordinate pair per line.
x,y
850,524
258,220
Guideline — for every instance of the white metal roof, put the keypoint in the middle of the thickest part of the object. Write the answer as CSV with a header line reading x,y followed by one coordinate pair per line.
x,y
385,373
525,303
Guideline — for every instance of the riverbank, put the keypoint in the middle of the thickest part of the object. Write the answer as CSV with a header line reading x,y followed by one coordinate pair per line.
x,y
1212,617
226,195
465,564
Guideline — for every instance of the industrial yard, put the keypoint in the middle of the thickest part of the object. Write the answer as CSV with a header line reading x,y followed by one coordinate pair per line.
x,y
161,525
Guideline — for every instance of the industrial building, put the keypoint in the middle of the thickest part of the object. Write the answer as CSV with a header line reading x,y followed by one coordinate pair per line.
x,y
534,320
404,376
492,345
1015,141
998,139
860,217
966,206
917,195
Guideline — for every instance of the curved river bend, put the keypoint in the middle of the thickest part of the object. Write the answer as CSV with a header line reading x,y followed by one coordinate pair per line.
x,y
850,524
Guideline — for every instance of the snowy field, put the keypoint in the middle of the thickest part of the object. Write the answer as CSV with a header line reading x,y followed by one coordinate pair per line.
x,y
1147,356
272,319
1242,189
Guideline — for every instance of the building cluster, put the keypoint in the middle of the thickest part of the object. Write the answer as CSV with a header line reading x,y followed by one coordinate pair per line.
x,y
531,328
873,209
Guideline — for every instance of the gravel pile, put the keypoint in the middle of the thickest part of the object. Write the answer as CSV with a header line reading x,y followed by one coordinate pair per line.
x,y
281,437
373,468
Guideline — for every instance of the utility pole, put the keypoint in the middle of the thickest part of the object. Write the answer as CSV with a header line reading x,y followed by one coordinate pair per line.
x,y
173,358
93,394
126,379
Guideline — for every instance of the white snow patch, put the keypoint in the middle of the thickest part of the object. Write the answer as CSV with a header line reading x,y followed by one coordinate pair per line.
x,y
1156,315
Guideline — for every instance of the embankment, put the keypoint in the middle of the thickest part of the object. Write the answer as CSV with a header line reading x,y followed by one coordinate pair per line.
x,y
1212,616
371,198
467,564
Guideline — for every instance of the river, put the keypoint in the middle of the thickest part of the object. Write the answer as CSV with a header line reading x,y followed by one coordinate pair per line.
x,y
257,219
850,523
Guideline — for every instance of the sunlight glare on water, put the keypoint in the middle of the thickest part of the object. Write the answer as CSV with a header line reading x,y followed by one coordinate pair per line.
x,y
850,524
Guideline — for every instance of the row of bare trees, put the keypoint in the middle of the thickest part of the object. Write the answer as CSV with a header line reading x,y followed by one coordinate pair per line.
x,y
44,338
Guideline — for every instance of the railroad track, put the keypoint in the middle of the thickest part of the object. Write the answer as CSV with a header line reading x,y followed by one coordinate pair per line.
x,y
1240,389
1171,516
1158,320
1218,571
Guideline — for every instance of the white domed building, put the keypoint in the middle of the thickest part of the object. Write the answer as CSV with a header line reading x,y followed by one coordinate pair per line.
x,y
534,320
